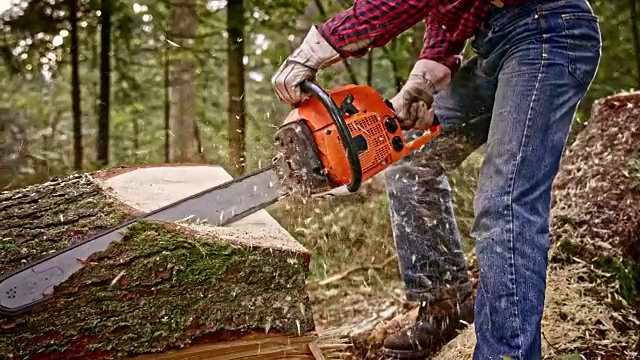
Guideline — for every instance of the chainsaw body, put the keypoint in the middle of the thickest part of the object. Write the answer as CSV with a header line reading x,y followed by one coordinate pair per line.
x,y
326,145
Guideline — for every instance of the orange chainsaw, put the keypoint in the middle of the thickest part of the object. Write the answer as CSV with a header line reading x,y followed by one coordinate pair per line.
x,y
327,146
324,146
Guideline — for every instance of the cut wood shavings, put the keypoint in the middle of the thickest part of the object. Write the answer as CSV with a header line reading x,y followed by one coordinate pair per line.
x,y
596,203
118,277
352,270
185,219
172,43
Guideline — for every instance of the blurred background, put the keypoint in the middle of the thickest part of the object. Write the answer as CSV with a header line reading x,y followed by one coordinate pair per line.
x,y
91,83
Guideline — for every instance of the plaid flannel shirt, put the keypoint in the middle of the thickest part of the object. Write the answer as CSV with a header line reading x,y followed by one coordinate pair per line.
x,y
448,23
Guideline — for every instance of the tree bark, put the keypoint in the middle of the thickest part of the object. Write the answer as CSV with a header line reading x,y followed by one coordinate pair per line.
x,y
634,5
183,20
167,104
236,84
105,83
163,285
75,87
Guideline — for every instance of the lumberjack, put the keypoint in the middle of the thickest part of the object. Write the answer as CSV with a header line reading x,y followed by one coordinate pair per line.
x,y
534,61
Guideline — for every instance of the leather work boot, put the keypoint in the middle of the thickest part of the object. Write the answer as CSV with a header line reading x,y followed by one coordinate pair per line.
x,y
436,325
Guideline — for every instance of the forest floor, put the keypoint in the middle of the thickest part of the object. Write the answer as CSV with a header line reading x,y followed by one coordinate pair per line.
x,y
354,280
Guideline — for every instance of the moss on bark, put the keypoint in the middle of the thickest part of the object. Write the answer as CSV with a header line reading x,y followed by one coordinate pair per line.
x,y
161,287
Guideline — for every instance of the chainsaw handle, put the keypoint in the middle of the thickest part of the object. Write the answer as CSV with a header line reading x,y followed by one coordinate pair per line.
x,y
434,130
416,144
326,100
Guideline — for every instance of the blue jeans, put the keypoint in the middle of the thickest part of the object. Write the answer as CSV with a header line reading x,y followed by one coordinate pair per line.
x,y
518,94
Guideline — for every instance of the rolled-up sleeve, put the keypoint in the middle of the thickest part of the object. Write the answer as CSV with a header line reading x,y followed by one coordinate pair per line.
x,y
441,45
373,23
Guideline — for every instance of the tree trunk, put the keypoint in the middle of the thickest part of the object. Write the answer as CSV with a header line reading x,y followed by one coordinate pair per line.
x,y
167,104
183,20
635,31
136,133
162,285
105,82
75,87
94,90
236,111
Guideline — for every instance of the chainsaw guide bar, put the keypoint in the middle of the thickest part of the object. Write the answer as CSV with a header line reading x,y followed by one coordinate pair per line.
x,y
22,289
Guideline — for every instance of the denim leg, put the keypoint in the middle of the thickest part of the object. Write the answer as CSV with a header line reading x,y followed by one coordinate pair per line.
x,y
426,235
547,53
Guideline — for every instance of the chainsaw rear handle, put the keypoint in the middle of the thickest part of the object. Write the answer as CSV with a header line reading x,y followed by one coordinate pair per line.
x,y
427,136
336,115
434,130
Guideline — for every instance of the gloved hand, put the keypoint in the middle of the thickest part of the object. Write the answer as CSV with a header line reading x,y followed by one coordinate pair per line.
x,y
313,54
413,103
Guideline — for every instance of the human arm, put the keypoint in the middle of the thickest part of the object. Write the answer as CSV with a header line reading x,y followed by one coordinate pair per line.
x,y
351,33
369,24
439,59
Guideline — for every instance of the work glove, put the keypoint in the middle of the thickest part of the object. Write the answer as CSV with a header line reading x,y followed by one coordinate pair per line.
x,y
413,103
303,64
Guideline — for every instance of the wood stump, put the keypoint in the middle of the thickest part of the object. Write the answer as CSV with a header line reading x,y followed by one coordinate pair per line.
x,y
596,199
162,286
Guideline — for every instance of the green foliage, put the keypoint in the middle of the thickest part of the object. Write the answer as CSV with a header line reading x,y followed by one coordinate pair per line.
x,y
626,274
618,68
572,356
35,40
36,116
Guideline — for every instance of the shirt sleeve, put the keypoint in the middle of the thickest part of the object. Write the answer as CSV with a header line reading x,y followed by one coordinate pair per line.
x,y
441,46
372,23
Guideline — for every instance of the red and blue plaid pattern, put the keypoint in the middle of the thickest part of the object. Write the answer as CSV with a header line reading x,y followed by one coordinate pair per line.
x,y
449,24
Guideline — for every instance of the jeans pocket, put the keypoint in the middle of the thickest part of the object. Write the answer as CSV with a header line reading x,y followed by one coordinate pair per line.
x,y
582,31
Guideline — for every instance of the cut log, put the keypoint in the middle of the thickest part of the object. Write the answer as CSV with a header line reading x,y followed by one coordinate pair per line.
x,y
163,285
261,346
